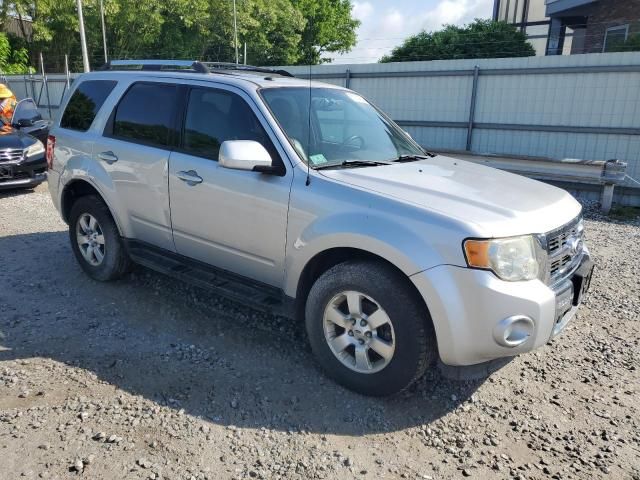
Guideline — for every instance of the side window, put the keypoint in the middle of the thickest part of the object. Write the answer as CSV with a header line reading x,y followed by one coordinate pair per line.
x,y
85,103
145,114
214,116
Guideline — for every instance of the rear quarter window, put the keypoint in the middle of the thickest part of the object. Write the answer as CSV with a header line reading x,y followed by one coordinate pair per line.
x,y
85,103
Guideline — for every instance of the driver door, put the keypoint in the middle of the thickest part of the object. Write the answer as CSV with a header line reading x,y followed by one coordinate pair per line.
x,y
232,219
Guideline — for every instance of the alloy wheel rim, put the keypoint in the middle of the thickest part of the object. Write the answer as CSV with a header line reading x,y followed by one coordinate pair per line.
x,y
359,332
90,239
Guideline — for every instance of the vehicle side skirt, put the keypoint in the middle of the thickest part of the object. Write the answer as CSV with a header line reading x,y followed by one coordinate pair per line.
x,y
251,293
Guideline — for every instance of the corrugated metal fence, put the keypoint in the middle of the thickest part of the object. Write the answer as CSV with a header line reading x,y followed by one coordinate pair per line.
x,y
580,106
47,95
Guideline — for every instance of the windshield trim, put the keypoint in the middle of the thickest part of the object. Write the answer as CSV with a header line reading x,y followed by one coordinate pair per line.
x,y
337,88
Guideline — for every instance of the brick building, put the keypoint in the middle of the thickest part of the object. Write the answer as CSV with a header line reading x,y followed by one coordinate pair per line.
x,y
563,27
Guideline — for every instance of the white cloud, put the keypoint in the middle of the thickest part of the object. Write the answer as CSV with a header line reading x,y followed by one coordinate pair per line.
x,y
384,28
362,10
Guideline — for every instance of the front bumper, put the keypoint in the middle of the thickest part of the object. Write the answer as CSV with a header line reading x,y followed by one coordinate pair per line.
x,y
28,173
472,309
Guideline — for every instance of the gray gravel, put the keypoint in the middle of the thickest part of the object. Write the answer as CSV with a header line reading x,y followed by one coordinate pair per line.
x,y
147,378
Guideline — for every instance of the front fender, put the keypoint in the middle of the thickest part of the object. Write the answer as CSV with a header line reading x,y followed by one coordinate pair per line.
x,y
396,240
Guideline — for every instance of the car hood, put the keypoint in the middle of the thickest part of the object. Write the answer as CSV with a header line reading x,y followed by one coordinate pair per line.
x,y
12,138
495,202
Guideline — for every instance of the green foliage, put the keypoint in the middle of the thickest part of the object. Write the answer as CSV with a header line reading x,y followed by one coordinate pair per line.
x,y
632,44
479,39
329,28
12,60
277,32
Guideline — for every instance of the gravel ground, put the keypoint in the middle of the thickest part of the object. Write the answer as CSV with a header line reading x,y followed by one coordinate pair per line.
x,y
147,378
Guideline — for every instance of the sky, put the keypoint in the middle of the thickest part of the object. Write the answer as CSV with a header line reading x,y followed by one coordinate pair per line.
x,y
385,23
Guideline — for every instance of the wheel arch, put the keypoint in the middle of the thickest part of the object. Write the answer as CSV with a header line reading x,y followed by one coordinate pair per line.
x,y
76,189
326,259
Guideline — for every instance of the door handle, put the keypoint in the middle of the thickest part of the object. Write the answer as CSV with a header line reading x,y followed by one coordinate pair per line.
x,y
108,157
191,177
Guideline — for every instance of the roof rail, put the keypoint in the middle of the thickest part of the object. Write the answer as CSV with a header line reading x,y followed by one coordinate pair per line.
x,y
166,65
246,68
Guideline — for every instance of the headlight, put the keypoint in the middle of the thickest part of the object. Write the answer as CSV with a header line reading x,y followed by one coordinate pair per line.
x,y
34,150
512,259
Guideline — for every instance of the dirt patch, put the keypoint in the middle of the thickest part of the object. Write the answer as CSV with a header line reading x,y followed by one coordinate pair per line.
x,y
149,378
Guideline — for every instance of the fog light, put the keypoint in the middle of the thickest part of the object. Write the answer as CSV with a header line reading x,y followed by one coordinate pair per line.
x,y
513,331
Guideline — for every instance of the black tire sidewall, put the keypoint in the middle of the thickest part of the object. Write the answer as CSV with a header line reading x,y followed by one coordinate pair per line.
x,y
111,266
414,340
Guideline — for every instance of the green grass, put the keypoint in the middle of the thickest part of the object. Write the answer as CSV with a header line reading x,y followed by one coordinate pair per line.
x,y
624,213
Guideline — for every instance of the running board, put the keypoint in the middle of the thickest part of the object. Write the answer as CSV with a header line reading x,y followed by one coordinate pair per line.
x,y
235,287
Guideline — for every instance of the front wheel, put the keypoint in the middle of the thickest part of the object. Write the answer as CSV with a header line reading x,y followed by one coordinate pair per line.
x,y
367,328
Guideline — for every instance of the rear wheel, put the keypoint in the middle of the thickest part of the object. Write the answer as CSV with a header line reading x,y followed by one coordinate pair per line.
x,y
367,328
95,240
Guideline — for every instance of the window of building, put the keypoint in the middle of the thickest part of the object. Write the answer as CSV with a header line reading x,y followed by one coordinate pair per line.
x,y
615,38
214,116
536,11
85,103
145,114
512,11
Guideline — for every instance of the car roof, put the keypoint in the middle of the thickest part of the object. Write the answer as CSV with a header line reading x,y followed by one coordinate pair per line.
x,y
250,80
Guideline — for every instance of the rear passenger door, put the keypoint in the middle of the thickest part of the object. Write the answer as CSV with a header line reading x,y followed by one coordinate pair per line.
x,y
134,151
235,220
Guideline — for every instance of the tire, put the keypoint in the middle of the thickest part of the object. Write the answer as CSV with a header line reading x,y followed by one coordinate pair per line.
x,y
113,261
408,339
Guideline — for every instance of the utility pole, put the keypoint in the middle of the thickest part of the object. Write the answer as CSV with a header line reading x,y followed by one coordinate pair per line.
x,y
245,53
83,38
104,32
235,29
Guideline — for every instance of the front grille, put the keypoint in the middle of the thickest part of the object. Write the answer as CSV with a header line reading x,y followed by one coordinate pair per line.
x,y
11,155
559,240
565,249
559,264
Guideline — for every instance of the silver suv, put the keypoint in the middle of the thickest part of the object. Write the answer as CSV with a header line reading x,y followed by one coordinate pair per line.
x,y
304,199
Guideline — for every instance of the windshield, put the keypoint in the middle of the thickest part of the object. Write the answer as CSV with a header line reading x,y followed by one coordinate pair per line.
x,y
344,126
26,110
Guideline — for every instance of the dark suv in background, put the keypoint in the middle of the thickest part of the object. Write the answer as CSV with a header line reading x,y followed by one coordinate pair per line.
x,y
22,151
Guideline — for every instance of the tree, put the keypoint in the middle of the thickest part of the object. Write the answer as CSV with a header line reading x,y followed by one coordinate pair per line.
x,y
12,60
273,31
276,32
631,44
479,39
330,28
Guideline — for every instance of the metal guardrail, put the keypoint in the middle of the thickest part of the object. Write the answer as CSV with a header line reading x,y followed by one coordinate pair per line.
x,y
607,173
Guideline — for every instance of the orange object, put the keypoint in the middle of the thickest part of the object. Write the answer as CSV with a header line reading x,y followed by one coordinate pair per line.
x,y
8,103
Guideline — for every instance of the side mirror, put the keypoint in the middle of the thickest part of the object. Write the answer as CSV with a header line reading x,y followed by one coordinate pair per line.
x,y
24,122
245,155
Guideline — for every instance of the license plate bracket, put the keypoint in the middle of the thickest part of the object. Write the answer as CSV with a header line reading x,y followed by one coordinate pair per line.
x,y
581,284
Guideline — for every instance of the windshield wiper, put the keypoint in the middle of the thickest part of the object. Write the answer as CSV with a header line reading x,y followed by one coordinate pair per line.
x,y
413,158
353,163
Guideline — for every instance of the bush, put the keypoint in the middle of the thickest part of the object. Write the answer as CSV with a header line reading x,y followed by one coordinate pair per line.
x,y
12,61
479,39
632,44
